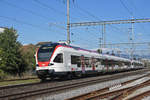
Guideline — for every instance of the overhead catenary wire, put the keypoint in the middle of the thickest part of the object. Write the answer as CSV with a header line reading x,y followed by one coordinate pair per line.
x,y
139,13
84,39
98,18
91,32
27,23
49,7
21,22
131,13
90,14
87,31
30,11
52,8
72,16
88,38
95,17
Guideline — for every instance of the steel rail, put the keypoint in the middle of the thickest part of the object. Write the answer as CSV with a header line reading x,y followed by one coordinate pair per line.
x,y
120,94
140,96
104,90
131,90
66,85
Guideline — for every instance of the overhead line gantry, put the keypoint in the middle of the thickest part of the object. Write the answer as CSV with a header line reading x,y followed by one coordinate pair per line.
x,y
110,22
104,23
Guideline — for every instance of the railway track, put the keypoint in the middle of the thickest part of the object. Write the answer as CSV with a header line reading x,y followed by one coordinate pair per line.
x,y
124,91
30,90
121,94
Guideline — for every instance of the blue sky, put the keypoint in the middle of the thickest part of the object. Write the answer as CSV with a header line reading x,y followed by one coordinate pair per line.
x,y
45,20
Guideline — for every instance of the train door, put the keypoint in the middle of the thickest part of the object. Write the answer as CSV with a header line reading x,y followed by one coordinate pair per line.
x,y
106,64
132,65
67,60
112,64
82,64
93,64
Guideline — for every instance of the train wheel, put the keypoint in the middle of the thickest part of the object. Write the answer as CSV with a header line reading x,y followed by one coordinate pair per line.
x,y
83,75
69,76
52,78
43,79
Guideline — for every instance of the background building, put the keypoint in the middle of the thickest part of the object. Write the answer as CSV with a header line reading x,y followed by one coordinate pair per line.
x,y
2,29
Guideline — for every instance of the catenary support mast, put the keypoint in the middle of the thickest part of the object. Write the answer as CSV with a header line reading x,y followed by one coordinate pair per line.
x,y
68,22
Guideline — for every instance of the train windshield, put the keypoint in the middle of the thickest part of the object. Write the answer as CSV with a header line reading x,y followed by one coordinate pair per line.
x,y
45,52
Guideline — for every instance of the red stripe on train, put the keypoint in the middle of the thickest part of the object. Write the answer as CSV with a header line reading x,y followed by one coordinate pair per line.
x,y
42,64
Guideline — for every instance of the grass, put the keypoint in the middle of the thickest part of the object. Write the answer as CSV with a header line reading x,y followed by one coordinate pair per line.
x,y
10,77
6,83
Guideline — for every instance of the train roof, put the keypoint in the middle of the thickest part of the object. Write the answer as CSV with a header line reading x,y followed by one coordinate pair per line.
x,y
136,61
103,56
115,58
70,46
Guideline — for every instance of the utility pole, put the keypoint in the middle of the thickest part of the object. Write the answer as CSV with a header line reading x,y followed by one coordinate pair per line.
x,y
132,31
68,22
100,42
102,46
130,42
104,34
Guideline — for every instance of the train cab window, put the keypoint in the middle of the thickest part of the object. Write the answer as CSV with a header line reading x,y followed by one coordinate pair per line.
x,y
59,58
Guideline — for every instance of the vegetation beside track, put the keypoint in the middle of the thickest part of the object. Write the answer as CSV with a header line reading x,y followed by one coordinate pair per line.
x,y
15,58
19,81
13,80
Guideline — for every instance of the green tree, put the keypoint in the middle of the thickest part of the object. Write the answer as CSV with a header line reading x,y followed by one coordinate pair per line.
x,y
28,52
99,51
12,61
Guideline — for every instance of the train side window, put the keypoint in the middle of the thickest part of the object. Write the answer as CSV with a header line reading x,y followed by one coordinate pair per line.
x,y
103,62
59,58
87,63
97,62
76,60
73,60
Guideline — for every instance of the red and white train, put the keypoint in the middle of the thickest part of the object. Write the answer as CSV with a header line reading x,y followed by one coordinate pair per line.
x,y
61,60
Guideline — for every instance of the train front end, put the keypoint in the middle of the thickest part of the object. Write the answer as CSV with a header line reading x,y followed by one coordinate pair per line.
x,y
44,64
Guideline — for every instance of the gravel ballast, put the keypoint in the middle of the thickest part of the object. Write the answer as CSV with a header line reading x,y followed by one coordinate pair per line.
x,y
87,89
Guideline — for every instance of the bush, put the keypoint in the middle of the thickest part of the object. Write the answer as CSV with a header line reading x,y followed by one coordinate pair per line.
x,y
12,63
2,75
